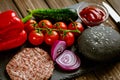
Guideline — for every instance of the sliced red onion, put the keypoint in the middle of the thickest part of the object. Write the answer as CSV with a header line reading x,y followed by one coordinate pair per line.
x,y
68,60
57,48
77,64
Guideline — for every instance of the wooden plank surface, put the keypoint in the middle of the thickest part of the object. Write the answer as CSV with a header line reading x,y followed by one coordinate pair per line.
x,y
88,76
115,4
109,73
60,3
20,6
8,4
93,1
23,5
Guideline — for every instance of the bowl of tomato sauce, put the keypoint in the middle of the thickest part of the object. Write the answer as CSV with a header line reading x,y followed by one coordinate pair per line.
x,y
92,14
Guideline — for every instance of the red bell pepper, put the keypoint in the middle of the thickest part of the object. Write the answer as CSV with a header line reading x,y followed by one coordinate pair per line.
x,y
12,32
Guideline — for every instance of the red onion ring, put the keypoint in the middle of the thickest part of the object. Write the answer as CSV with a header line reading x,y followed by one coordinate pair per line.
x,y
57,48
68,61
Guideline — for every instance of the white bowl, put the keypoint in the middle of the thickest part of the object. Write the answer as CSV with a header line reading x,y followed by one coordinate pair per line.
x,y
95,5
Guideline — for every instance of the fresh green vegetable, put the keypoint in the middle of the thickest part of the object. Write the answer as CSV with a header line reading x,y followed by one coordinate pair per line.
x,y
54,15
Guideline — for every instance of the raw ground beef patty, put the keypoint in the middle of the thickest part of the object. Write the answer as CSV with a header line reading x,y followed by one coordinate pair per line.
x,y
30,64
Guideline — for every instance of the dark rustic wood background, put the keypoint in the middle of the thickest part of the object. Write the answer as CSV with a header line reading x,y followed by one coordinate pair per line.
x,y
111,72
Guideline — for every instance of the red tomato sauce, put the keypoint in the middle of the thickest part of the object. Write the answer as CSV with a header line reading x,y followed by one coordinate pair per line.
x,y
92,15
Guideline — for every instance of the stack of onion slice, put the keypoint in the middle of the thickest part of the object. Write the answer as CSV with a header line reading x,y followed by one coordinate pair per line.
x,y
66,59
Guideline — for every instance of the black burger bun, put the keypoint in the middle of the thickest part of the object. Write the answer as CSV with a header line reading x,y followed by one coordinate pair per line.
x,y
99,43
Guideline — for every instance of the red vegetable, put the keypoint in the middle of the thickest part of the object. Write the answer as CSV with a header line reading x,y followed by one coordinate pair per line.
x,y
57,48
13,42
36,38
68,38
45,24
30,25
76,26
60,25
51,37
68,61
12,32
10,22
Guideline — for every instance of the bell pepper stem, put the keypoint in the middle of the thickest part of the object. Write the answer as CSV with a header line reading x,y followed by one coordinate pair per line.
x,y
28,17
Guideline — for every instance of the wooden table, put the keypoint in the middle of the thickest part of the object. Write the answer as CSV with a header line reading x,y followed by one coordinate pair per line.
x,y
111,72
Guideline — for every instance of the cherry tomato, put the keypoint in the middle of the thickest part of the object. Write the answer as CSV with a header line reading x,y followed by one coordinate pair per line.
x,y
51,37
74,26
68,38
30,25
36,38
60,25
45,24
